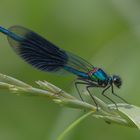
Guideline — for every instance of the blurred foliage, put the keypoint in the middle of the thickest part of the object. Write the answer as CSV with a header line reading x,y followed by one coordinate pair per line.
x,y
106,33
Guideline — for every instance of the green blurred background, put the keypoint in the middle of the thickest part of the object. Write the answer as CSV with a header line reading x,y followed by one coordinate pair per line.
x,y
106,33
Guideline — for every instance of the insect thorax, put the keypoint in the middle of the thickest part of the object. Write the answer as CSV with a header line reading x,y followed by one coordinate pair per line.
x,y
97,74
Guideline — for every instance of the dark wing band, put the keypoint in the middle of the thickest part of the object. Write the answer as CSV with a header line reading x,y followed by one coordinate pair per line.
x,y
42,54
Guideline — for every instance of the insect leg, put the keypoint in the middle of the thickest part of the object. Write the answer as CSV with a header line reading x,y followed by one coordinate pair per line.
x,y
103,93
92,95
76,85
112,89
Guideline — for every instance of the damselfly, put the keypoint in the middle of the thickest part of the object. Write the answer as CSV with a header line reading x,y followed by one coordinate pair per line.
x,y
45,56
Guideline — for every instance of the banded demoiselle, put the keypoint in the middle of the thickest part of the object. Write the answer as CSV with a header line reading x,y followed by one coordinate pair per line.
x,y
45,56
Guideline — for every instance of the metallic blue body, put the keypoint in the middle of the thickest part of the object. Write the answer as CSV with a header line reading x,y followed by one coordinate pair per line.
x,y
10,34
101,75
76,72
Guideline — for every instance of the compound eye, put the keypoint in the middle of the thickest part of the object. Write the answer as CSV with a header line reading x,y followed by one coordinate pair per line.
x,y
117,81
